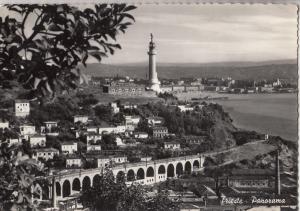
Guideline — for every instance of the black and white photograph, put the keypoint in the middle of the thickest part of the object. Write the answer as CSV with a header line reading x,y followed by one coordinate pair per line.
x,y
149,107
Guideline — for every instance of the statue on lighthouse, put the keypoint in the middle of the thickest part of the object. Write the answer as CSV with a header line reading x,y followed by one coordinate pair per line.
x,y
154,83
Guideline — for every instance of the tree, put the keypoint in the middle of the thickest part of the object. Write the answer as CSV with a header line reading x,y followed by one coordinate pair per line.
x,y
161,202
17,178
46,58
104,195
110,195
43,57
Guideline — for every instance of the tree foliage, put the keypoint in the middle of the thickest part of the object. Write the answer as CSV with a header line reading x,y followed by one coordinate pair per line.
x,y
43,55
17,178
108,194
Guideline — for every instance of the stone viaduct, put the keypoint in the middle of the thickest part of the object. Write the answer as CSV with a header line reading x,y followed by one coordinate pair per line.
x,y
70,182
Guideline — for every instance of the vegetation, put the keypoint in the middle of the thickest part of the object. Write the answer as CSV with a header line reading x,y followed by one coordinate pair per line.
x,y
46,58
107,194
18,176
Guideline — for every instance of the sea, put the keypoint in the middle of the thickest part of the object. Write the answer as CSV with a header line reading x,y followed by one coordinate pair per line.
x,y
274,114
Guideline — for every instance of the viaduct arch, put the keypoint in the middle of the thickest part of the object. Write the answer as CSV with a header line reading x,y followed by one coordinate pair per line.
x,y
67,184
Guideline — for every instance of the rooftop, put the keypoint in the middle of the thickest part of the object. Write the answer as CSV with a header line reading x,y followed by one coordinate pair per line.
x,y
81,116
68,143
21,101
252,172
47,150
73,157
171,142
159,128
249,177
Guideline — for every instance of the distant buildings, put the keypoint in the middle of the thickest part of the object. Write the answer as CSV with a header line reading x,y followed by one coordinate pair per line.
x,y
93,137
73,161
123,89
93,147
128,106
159,132
27,130
171,145
185,108
141,135
155,121
81,118
131,122
50,125
37,140
115,108
254,178
103,162
114,129
22,108
69,147
4,124
45,153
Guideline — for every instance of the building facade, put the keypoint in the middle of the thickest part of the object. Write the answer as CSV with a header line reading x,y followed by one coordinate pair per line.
x,y
69,147
22,108
46,153
172,145
37,140
114,88
159,132
81,118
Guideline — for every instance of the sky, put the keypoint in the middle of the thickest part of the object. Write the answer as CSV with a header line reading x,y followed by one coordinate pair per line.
x,y
208,33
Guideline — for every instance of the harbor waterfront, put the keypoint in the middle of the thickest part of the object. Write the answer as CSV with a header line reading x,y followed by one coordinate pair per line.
x,y
274,114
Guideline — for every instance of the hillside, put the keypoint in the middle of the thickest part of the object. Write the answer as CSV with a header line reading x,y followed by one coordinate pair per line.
x,y
238,70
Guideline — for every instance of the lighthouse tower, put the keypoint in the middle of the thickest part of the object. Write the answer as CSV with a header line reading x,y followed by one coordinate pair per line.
x,y
154,83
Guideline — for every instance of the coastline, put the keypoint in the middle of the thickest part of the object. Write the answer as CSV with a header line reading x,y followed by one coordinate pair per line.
x,y
274,114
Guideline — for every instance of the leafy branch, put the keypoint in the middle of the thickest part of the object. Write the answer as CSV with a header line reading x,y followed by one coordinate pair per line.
x,y
61,37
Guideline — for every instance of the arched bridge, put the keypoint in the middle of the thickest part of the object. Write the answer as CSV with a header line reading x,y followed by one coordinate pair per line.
x,y
70,182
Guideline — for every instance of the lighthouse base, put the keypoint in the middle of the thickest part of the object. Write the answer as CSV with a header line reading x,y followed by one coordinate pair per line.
x,y
155,87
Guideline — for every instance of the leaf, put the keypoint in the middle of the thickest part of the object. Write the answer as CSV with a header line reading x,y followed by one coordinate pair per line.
x,y
130,7
128,16
54,27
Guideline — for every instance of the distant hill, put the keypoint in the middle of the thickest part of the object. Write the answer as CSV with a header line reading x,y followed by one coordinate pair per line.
x,y
239,70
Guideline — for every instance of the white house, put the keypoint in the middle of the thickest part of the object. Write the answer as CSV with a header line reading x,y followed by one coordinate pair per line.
x,y
185,108
93,147
92,129
45,153
171,145
69,147
27,130
22,108
102,130
14,141
37,140
131,122
115,108
4,124
155,121
73,161
50,125
117,129
129,106
119,141
146,159
141,135
91,136
81,118
102,162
